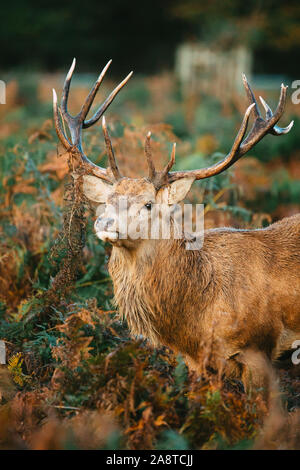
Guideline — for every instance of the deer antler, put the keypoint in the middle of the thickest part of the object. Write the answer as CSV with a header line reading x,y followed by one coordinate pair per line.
x,y
79,122
158,178
260,128
111,156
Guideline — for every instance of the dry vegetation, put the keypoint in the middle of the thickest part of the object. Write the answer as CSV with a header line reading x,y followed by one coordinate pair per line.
x,y
74,377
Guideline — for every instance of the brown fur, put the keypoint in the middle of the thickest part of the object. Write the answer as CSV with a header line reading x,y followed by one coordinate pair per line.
x,y
239,292
243,287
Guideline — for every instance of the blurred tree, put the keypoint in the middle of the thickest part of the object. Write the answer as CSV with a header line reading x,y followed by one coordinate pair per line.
x,y
270,27
49,34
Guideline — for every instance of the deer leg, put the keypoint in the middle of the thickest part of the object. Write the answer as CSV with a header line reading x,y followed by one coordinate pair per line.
x,y
258,375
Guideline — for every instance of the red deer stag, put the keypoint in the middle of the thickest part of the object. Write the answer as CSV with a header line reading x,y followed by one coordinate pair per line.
x,y
242,286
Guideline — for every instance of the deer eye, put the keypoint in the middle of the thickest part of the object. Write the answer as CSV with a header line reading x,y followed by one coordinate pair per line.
x,y
148,206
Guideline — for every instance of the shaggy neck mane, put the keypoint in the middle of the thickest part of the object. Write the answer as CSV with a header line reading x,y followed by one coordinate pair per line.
x,y
153,281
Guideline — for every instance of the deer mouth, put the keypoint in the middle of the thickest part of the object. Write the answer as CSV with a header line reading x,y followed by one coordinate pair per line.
x,y
106,236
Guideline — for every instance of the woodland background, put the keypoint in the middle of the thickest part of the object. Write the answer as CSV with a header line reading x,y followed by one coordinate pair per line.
x,y
74,377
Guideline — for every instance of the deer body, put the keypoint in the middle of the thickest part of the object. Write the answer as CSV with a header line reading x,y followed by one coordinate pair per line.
x,y
243,287
241,290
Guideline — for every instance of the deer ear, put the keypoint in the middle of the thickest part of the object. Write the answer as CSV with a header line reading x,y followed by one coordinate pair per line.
x,y
175,192
96,189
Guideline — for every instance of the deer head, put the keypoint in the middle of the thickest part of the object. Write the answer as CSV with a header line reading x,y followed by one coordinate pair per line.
x,y
114,194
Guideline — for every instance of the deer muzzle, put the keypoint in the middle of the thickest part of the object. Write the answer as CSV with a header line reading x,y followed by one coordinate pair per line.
x,y
105,229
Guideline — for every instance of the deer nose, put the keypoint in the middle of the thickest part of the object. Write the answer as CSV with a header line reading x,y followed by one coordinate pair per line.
x,y
102,224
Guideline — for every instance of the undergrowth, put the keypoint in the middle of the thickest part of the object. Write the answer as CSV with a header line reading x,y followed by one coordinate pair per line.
x,y
74,377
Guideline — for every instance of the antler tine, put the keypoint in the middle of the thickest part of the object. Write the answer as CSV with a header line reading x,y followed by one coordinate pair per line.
x,y
276,129
269,112
148,153
260,128
171,162
91,96
106,103
251,97
66,89
158,178
111,156
58,128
